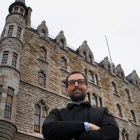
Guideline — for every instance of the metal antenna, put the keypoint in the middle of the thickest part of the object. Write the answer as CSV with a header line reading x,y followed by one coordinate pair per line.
x,y
108,50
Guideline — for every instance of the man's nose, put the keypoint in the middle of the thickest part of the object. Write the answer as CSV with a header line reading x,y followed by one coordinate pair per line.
x,y
76,83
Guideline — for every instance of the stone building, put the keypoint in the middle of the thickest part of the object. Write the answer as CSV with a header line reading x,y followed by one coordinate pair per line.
x,y
33,68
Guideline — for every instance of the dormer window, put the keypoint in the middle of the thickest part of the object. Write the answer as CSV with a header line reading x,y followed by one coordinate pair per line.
x,y
21,11
84,54
62,43
43,34
90,60
16,9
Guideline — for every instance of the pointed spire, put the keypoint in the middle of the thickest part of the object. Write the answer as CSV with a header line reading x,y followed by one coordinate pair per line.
x,y
22,1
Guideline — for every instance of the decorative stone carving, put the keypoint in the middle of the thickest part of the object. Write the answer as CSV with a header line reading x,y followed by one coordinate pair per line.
x,y
43,27
84,48
60,38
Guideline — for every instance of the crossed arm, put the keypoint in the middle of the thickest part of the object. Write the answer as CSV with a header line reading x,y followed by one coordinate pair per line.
x,y
56,129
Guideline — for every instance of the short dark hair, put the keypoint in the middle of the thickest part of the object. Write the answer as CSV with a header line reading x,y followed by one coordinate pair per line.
x,y
85,78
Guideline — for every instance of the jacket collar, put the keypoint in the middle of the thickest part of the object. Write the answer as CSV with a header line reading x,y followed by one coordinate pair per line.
x,y
74,103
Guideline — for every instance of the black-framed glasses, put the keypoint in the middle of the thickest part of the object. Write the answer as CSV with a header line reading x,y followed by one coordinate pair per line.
x,y
79,81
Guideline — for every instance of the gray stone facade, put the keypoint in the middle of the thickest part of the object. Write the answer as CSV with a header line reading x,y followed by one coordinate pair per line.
x,y
24,78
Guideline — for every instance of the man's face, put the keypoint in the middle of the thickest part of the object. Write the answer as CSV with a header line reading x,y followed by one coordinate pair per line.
x,y
77,92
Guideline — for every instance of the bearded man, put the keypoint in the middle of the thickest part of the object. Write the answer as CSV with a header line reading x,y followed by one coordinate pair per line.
x,y
80,120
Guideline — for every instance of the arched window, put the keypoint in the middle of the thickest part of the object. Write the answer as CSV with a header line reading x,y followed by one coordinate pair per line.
x,y
133,116
84,54
100,101
90,59
119,110
39,117
41,79
43,33
8,104
88,97
63,85
91,78
63,63
61,43
96,79
121,74
43,53
94,100
127,94
124,135
114,88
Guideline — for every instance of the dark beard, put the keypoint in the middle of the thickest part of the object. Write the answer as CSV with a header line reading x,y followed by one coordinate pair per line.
x,y
81,97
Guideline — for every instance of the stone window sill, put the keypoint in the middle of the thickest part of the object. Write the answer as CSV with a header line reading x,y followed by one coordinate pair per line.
x,y
94,84
43,60
116,94
64,70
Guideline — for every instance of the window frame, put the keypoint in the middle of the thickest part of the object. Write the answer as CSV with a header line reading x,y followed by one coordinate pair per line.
x,y
41,115
8,105
133,116
94,99
10,31
19,30
43,76
43,50
63,62
127,94
14,59
62,43
119,112
124,135
91,77
114,88
63,85
42,33
5,57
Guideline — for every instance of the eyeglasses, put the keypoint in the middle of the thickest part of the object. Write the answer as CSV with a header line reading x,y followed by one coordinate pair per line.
x,y
79,81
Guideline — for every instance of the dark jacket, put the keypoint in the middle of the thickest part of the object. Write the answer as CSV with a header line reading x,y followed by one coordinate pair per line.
x,y
61,125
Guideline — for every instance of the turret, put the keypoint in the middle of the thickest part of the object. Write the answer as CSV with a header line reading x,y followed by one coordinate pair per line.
x,y
10,54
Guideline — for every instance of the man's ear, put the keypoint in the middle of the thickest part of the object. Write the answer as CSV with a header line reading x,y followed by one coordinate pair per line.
x,y
87,88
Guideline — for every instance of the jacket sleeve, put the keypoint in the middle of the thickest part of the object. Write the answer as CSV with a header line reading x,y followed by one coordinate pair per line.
x,y
55,129
109,129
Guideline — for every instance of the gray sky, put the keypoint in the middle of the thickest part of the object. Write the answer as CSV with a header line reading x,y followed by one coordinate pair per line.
x,y
91,20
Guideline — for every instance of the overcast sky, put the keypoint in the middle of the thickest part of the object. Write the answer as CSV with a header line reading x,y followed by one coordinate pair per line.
x,y
91,20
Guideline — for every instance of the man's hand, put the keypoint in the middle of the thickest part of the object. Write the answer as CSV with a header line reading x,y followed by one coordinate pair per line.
x,y
93,127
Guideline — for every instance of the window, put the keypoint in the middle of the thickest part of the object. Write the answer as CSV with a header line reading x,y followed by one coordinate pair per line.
x,y
21,11
124,135
62,43
90,59
119,110
109,67
39,117
137,83
41,79
133,116
91,78
63,85
88,97
10,31
63,63
8,104
100,101
14,59
1,87
121,74
16,9
84,54
43,34
94,100
114,88
18,32
43,53
96,79
5,57
127,94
